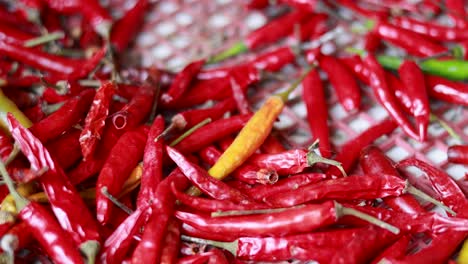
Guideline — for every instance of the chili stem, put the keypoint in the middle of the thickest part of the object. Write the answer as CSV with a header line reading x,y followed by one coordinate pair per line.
x,y
190,131
20,201
90,83
251,212
236,49
14,152
229,246
115,201
341,210
44,39
166,131
416,192
330,35
313,158
284,95
446,126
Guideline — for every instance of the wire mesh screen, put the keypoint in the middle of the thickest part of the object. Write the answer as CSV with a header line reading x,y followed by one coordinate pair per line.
x,y
177,32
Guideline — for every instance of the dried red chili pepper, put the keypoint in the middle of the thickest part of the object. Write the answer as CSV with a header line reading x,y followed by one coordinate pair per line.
x,y
274,60
209,185
432,30
396,250
373,14
151,245
317,111
12,35
123,157
181,82
218,88
379,85
212,132
285,163
413,79
240,97
172,242
96,119
446,90
123,30
294,220
268,34
67,143
69,69
458,154
372,42
152,163
6,145
64,118
119,242
400,92
413,43
272,145
373,161
71,211
355,64
260,192
43,226
138,109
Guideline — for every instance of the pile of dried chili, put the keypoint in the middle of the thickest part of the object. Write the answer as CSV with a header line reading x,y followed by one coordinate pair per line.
x,y
110,163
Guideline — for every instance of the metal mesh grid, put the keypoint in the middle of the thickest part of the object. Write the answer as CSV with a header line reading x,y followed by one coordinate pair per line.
x,y
177,32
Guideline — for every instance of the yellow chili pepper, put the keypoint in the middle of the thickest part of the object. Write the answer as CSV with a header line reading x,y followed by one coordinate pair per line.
x,y
7,106
251,137
463,255
8,203
133,181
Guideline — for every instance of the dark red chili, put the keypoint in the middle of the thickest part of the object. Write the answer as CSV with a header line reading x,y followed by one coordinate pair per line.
x,y
446,90
118,244
212,132
152,164
372,42
317,111
123,30
458,154
66,149
257,4
379,85
171,242
431,29
413,79
67,116
123,157
151,245
181,82
346,87
260,192
96,119
13,36
272,145
202,180
315,26
374,162
70,209
350,151
413,43
396,250
346,188
69,69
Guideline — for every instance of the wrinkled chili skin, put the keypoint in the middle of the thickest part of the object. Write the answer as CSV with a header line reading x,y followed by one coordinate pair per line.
x,y
289,162
374,162
123,157
347,188
291,221
64,118
49,234
458,154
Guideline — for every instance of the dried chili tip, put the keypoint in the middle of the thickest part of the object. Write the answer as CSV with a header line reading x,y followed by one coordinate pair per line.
x,y
267,176
313,158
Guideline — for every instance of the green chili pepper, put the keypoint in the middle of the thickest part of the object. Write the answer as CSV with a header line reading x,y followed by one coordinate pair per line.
x,y
456,70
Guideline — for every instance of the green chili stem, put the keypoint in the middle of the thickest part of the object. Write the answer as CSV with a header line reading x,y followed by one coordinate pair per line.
x,y
115,201
236,49
416,192
44,39
190,131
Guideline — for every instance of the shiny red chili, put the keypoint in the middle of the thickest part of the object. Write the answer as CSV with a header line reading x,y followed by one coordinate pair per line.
x,y
446,90
431,29
458,154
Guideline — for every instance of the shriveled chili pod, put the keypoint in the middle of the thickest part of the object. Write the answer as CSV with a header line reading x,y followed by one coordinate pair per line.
x,y
181,82
152,163
293,220
317,111
373,161
44,227
458,154
70,209
67,116
269,33
413,79
96,119
129,148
